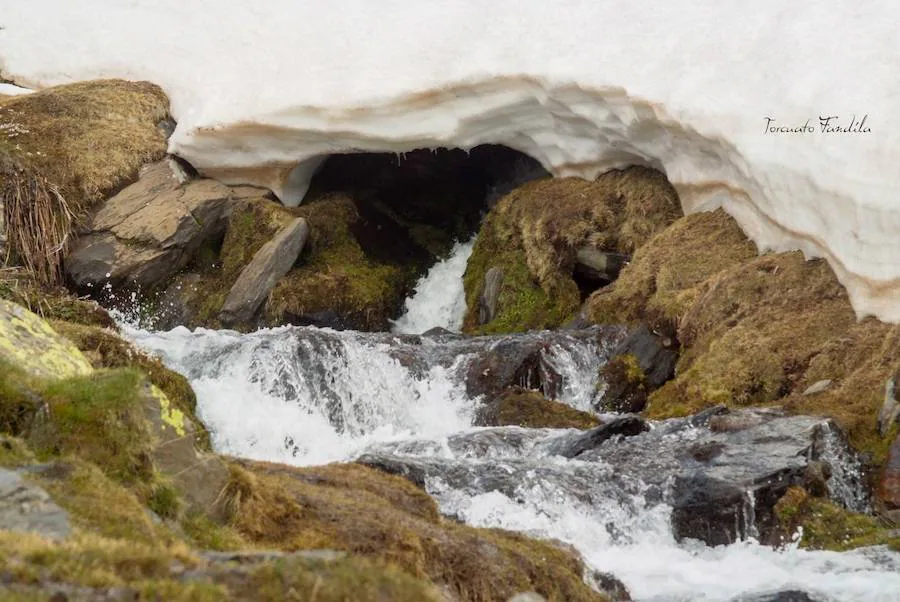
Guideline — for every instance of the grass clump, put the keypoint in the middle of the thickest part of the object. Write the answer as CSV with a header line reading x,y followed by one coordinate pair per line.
x,y
530,409
384,517
827,526
50,302
534,233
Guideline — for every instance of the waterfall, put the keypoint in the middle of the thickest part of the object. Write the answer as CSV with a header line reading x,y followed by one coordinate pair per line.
x,y
308,396
439,299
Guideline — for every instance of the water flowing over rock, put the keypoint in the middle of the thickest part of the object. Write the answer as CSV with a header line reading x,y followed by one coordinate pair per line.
x,y
635,505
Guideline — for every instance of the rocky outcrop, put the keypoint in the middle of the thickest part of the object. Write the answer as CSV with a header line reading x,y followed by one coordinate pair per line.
x,y
535,233
267,267
147,232
26,508
30,344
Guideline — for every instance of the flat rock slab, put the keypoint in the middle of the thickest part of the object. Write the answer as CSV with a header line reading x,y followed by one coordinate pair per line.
x,y
267,267
148,231
27,508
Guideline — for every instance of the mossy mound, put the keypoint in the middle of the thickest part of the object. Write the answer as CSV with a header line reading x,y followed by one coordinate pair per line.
x,y
361,510
663,277
92,567
530,409
753,330
826,526
88,138
533,235
336,282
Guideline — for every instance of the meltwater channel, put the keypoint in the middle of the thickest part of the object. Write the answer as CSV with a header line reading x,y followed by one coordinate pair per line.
x,y
303,395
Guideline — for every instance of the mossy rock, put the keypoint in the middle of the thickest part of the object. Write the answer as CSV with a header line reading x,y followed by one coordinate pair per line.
x,y
626,386
663,278
827,526
384,517
30,344
88,138
335,277
753,330
530,409
533,235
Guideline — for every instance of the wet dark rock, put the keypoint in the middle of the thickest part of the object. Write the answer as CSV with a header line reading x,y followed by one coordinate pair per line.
x,y
722,485
574,446
782,596
889,487
640,364
612,587
319,319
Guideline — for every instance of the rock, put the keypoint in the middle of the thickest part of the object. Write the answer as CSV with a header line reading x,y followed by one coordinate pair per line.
x,y
527,597
717,486
530,409
28,509
626,426
527,361
889,487
4,253
269,265
147,232
641,363
596,265
782,596
890,409
175,307
612,587
29,343
487,302
818,387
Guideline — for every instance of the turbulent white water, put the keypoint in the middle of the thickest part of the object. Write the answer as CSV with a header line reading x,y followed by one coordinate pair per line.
x,y
439,300
306,396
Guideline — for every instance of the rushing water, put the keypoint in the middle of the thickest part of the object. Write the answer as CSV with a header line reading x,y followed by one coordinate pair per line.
x,y
307,396
439,299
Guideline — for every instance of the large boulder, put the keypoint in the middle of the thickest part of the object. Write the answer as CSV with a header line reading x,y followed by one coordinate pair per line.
x,y
535,235
147,232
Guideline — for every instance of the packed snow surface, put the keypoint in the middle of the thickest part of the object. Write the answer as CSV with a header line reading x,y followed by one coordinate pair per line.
x,y
780,112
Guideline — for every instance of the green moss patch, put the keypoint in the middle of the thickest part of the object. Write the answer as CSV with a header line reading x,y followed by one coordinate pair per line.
x,y
827,526
533,234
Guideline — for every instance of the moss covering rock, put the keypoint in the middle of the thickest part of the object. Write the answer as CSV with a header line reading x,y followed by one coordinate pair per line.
x,y
754,330
535,232
530,409
826,526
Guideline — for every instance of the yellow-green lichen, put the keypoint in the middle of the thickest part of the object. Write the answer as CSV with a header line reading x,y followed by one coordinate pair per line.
x,y
169,415
29,342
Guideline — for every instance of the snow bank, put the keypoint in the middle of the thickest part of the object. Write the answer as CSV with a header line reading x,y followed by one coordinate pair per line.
x,y
725,97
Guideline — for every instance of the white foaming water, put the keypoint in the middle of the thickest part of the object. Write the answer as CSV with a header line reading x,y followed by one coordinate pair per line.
x,y
439,300
307,396
278,397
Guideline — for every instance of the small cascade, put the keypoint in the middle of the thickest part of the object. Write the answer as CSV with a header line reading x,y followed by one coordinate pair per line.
x,y
439,300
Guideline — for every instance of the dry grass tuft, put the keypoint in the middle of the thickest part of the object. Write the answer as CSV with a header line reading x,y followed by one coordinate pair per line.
x,y
38,221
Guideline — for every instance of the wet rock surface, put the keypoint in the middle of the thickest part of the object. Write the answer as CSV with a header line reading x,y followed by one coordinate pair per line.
x,y
782,596
721,485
